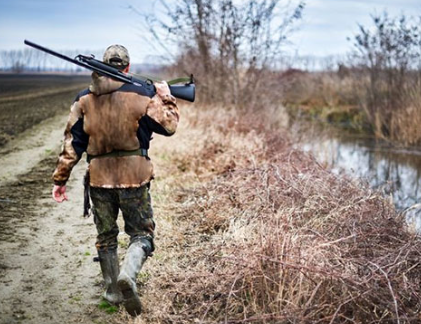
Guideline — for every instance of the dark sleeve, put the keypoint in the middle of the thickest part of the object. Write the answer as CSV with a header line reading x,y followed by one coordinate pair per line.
x,y
144,134
155,127
147,126
80,138
74,144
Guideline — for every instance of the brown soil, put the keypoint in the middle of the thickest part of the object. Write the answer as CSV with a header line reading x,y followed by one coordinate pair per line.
x,y
46,250
28,100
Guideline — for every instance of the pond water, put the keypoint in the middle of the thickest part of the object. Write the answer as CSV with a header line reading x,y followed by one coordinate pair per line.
x,y
395,171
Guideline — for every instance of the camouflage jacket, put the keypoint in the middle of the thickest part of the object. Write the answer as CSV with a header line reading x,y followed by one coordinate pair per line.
x,y
114,116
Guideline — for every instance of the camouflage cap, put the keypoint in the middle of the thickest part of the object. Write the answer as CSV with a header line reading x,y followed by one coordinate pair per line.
x,y
117,55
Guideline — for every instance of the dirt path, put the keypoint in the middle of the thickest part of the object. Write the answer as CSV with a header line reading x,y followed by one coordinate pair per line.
x,y
31,147
46,269
42,269
46,250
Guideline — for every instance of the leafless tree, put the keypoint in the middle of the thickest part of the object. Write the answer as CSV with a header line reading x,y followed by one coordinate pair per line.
x,y
389,53
229,45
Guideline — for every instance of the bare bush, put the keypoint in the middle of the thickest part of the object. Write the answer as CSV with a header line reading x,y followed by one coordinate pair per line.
x,y
389,54
376,88
228,45
267,235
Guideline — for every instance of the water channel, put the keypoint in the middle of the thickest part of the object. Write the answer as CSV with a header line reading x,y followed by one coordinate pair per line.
x,y
394,171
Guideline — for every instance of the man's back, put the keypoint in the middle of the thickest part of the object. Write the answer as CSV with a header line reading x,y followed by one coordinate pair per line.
x,y
109,121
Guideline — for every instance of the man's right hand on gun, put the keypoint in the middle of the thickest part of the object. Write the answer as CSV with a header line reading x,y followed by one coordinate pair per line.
x,y
59,193
162,89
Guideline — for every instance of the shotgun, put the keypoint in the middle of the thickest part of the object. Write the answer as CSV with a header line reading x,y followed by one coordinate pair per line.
x,y
185,91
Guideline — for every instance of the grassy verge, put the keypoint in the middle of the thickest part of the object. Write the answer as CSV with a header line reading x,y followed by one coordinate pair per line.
x,y
252,231
349,99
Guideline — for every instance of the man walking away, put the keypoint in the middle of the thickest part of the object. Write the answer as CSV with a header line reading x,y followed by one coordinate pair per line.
x,y
113,122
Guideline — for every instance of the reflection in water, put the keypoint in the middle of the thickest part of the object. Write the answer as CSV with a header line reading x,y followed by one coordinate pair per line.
x,y
395,172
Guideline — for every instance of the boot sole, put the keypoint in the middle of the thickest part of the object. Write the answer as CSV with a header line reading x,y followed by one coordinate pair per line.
x,y
131,300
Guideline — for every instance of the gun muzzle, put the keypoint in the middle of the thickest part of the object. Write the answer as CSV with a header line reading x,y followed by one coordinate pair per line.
x,y
185,92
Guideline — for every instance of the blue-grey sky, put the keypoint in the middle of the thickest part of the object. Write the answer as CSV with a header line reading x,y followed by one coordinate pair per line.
x,y
95,24
326,24
72,24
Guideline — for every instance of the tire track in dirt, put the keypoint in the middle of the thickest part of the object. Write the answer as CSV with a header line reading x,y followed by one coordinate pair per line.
x,y
31,147
39,94
46,249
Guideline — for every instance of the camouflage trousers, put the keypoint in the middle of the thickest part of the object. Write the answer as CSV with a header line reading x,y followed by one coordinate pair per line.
x,y
135,205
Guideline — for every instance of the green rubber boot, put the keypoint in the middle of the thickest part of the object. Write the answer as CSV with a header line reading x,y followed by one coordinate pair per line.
x,y
133,262
110,270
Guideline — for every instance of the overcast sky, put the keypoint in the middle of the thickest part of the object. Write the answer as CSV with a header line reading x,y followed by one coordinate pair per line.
x,y
95,24
326,24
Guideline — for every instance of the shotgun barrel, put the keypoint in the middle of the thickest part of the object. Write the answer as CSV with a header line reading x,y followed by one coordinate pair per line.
x,y
185,91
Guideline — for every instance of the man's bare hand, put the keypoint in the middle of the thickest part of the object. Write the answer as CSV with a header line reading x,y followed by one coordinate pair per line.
x,y
162,89
59,193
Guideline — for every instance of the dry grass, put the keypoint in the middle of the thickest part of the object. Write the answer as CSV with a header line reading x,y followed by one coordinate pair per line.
x,y
348,98
261,233
319,89
405,124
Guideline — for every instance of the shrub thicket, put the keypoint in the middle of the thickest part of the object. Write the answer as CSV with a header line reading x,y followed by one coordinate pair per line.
x,y
264,234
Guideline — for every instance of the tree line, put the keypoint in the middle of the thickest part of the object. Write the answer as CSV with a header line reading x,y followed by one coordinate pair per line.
x,y
28,59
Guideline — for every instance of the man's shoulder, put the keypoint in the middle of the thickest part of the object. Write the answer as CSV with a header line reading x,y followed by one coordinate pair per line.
x,y
82,94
